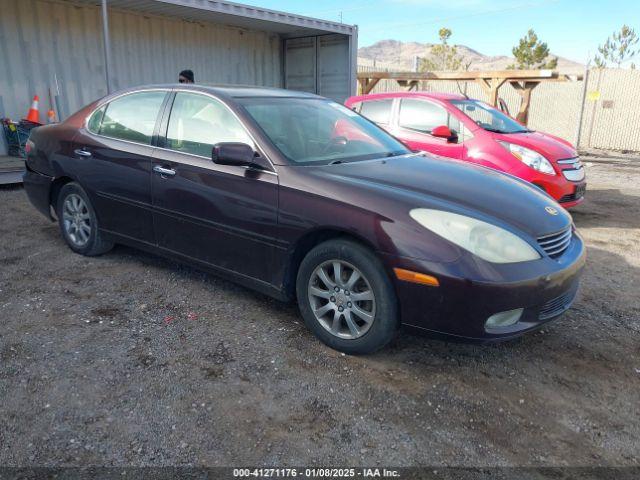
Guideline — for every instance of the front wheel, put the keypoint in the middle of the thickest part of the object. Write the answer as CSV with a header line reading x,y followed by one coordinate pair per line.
x,y
78,222
346,298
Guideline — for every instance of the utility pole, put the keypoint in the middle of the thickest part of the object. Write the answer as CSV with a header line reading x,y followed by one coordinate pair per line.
x,y
107,45
585,81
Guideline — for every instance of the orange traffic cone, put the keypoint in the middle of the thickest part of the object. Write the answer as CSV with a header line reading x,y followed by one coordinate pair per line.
x,y
34,114
51,116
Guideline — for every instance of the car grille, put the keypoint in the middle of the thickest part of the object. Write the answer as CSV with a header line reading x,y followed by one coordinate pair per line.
x,y
577,195
558,305
556,243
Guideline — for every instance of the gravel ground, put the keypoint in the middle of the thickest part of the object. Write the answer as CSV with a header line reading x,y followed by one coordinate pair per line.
x,y
129,359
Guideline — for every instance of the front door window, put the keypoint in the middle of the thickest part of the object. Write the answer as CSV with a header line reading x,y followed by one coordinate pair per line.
x,y
198,122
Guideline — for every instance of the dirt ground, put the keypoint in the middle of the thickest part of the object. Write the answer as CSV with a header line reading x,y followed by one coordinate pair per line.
x,y
129,359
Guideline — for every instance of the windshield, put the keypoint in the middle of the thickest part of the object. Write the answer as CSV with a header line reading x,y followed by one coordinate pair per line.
x,y
318,132
488,117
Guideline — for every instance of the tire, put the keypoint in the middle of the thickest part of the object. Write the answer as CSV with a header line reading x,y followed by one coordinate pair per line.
x,y
370,303
78,222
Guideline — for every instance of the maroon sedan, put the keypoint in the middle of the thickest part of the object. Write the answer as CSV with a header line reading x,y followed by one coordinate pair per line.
x,y
299,197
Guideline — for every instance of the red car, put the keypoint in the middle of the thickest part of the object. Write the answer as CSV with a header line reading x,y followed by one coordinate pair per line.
x,y
458,127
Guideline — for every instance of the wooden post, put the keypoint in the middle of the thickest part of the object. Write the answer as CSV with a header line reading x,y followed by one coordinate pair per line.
x,y
367,84
362,84
524,89
408,84
491,86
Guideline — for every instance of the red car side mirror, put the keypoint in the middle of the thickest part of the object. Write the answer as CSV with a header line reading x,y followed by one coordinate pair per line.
x,y
442,131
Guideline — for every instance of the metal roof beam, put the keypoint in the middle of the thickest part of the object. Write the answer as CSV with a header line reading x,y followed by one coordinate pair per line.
x,y
464,75
230,13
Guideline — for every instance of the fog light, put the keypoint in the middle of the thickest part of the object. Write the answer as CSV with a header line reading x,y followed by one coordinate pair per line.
x,y
504,319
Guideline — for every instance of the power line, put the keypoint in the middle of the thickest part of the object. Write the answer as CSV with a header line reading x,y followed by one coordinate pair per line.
x,y
358,6
447,19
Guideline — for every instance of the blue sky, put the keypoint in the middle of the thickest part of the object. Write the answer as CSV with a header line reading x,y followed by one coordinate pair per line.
x,y
572,28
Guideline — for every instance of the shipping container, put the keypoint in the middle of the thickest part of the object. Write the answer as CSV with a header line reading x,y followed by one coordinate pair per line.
x,y
56,49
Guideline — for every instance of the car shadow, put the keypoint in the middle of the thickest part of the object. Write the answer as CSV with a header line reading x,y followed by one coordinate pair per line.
x,y
585,352
11,186
607,297
609,208
608,291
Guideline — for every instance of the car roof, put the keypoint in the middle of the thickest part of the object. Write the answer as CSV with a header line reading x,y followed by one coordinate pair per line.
x,y
232,91
434,95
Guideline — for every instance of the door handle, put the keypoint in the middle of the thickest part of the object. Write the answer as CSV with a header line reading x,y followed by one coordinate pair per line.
x,y
165,172
82,153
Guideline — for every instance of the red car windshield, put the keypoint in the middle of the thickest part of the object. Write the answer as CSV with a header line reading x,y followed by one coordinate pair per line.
x,y
488,117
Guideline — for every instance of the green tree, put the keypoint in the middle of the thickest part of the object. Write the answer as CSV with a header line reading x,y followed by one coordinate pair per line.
x,y
442,56
619,48
532,54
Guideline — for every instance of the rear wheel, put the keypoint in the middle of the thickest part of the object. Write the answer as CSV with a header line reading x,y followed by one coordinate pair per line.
x,y
346,298
78,222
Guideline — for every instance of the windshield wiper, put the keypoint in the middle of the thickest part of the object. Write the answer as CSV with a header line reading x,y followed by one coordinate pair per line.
x,y
335,162
495,130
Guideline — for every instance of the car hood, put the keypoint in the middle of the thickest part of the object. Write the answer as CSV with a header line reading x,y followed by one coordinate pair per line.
x,y
553,148
424,182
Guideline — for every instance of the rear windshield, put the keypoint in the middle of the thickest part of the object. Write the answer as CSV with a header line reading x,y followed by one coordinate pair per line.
x,y
319,131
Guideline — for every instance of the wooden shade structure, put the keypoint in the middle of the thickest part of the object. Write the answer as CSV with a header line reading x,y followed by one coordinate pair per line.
x,y
524,81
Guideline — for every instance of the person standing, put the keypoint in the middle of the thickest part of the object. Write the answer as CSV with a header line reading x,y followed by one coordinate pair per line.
x,y
186,76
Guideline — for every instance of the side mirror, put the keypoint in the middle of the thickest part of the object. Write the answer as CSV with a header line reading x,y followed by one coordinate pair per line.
x,y
442,131
231,153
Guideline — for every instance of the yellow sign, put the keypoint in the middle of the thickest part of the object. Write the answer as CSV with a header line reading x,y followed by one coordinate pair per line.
x,y
593,96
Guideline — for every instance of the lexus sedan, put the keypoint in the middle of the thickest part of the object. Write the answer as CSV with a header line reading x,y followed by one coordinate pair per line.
x,y
302,198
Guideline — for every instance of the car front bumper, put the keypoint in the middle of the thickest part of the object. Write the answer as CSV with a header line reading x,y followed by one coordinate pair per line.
x,y
470,292
574,197
567,193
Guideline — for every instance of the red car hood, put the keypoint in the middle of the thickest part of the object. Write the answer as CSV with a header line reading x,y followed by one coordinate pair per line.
x,y
553,148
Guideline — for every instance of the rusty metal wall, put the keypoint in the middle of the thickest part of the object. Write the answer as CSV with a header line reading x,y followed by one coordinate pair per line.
x,y
45,40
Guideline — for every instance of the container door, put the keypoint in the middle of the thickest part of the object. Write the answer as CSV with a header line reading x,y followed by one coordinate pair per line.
x,y
319,65
333,67
300,64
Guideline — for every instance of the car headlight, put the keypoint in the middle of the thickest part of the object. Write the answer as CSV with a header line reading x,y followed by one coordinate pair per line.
x,y
529,157
491,243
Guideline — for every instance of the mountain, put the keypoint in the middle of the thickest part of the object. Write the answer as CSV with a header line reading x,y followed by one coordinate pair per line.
x,y
401,55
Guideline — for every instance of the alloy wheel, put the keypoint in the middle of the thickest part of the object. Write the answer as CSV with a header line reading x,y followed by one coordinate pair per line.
x,y
342,299
76,220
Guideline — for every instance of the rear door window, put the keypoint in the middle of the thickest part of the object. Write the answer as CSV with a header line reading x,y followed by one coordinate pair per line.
x,y
131,117
378,111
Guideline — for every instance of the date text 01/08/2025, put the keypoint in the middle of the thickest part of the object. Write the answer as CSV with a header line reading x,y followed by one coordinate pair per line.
x,y
315,473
